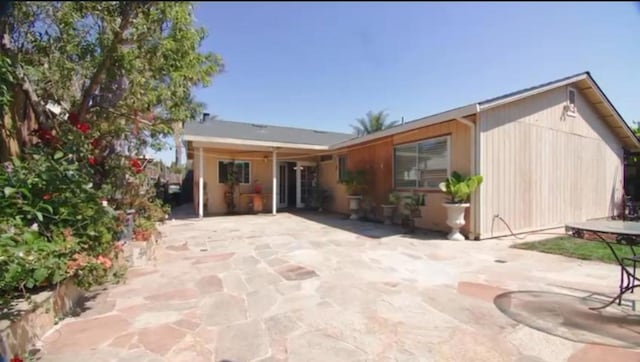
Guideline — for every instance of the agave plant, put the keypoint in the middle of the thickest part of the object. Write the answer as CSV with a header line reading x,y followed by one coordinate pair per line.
x,y
458,188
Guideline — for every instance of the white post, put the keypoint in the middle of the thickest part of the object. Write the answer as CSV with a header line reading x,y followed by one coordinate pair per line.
x,y
201,185
275,183
298,185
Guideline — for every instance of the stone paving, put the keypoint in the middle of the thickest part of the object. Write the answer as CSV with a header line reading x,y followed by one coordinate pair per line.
x,y
321,288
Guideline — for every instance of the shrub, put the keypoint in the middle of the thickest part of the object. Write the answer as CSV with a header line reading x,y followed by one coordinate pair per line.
x,y
52,223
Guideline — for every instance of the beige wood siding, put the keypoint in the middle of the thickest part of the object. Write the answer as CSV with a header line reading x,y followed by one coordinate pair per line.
x,y
329,180
543,168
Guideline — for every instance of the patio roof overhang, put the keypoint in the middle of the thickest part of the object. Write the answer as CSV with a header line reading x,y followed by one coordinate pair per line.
x,y
246,147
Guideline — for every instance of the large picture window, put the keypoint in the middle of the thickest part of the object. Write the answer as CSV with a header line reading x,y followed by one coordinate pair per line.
x,y
421,165
243,171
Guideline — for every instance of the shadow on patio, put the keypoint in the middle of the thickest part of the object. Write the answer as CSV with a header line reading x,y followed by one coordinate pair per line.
x,y
567,316
371,229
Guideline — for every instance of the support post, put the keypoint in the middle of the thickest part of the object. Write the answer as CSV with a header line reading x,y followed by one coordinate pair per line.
x,y
201,184
275,183
299,186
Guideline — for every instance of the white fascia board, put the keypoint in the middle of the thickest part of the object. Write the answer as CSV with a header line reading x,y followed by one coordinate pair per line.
x,y
615,114
409,126
238,141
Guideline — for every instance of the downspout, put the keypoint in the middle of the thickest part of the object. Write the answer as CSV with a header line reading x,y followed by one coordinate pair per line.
x,y
477,196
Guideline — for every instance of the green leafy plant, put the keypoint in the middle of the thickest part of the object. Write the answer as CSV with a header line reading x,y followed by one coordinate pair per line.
x,y
355,182
394,198
459,188
412,204
232,182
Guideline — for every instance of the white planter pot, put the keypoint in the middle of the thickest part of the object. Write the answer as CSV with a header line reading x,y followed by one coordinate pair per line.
x,y
354,206
455,219
387,211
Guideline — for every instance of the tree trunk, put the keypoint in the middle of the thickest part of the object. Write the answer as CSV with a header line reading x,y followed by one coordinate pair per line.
x,y
17,124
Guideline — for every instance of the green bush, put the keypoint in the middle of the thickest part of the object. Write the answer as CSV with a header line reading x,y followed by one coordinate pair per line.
x,y
52,223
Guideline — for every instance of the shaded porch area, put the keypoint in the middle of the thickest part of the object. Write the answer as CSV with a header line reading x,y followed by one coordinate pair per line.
x,y
247,178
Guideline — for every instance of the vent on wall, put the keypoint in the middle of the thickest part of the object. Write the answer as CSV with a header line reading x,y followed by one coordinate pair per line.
x,y
324,158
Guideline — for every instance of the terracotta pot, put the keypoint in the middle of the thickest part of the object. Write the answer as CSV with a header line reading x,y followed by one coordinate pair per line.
x,y
142,235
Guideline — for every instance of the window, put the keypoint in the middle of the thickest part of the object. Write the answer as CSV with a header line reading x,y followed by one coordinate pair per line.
x,y
571,100
342,167
421,165
242,168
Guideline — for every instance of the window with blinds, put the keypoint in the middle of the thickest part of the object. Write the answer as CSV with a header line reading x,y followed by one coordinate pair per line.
x,y
421,165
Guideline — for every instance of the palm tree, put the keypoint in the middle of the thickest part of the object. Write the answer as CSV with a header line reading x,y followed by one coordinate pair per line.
x,y
373,122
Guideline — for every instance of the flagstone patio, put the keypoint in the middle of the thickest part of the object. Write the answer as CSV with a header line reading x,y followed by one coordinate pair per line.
x,y
314,287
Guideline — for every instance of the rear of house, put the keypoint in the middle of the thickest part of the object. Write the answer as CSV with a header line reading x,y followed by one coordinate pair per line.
x,y
549,154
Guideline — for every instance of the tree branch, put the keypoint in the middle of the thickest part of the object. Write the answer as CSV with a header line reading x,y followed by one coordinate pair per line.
x,y
98,76
41,113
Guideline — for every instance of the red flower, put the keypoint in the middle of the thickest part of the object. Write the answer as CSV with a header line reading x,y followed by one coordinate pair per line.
x,y
16,359
46,197
83,127
96,142
136,165
45,135
73,118
92,161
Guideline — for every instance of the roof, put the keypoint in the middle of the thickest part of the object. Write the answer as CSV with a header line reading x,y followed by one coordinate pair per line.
x,y
275,136
528,91
587,85
262,134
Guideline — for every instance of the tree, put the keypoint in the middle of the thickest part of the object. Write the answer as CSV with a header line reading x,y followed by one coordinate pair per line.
x,y
373,122
126,68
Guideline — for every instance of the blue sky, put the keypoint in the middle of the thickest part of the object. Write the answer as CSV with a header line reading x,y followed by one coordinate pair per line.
x,y
322,65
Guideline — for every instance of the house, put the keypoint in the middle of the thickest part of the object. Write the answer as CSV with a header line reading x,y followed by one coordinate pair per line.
x,y
549,154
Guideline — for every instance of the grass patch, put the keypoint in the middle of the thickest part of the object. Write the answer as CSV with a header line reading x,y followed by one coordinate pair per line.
x,y
577,248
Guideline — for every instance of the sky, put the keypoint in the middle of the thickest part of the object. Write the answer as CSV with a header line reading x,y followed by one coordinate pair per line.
x,y
321,65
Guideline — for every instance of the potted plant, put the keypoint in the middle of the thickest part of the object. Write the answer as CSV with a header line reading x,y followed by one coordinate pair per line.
x,y
143,229
232,182
412,211
459,190
390,207
354,182
321,196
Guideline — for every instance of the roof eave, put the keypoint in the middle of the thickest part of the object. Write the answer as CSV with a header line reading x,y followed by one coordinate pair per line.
x,y
409,126
628,131
488,105
239,141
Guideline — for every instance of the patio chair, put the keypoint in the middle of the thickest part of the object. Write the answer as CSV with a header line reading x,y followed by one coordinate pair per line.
x,y
631,212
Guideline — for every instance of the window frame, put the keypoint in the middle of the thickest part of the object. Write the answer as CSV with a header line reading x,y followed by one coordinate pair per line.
x,y
339,175
235,162
416,143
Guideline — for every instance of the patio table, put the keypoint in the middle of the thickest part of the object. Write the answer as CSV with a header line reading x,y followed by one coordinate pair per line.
x,y
626,233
